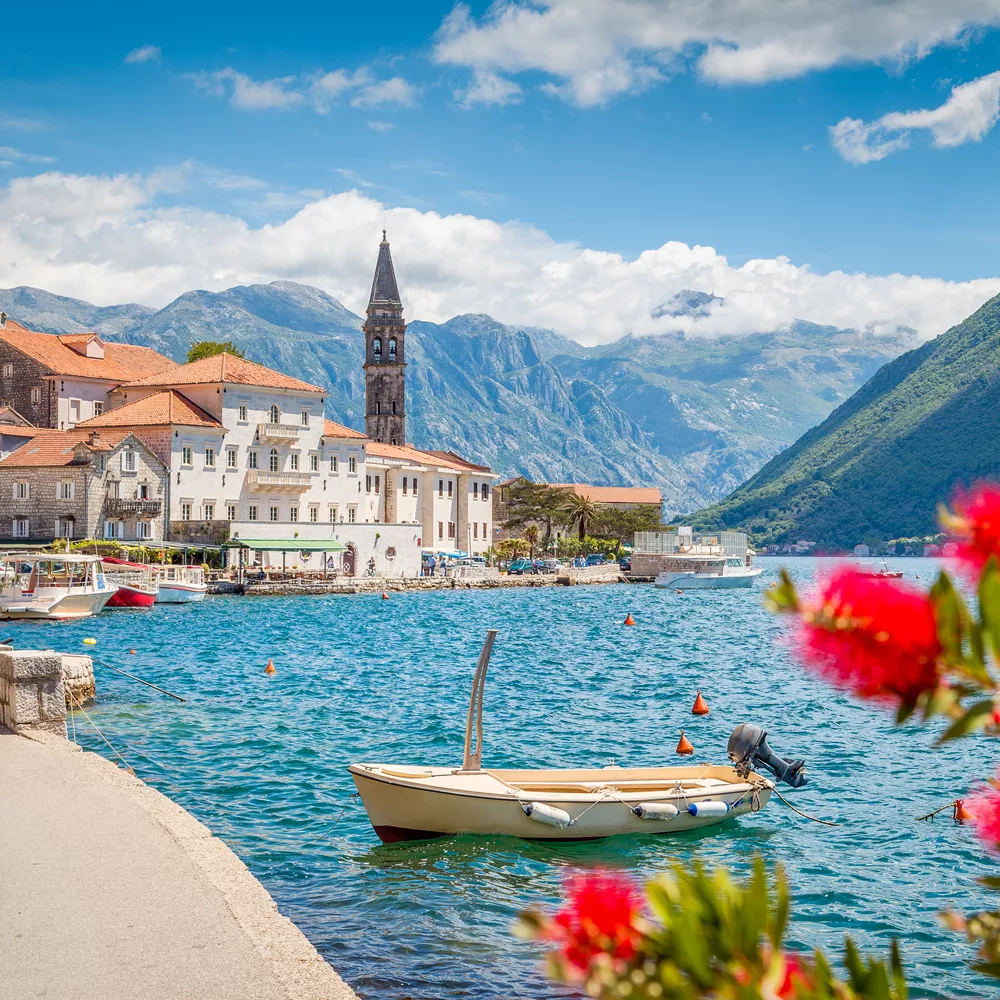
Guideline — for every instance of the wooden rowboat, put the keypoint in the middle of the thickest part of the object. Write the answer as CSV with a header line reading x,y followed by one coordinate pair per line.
x,y
414,803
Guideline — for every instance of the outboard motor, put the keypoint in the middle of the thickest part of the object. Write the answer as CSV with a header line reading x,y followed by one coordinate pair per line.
x,y
748,748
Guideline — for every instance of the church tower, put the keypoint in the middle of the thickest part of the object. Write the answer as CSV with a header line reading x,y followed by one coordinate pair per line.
x,y
385,358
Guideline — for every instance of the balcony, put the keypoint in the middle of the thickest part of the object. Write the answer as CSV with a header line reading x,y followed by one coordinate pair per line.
x,y
278,432
294,482
116,506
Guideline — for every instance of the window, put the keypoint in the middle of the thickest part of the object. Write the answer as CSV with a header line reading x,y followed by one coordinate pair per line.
x,y
333,515
334,464
451,529
404,486
314,463
65,489
100,464
414,485
114,529
440,529
392,354
209,458
98,405
186,511
143,529
475,529
272,461
377,348
274,414
36,398
368,484
394,407
293,513
243,413
252,512
486,491
352,515
232,455
485,532
187,455
115,489
378,406
449,489
22,490
64,527
440,487
143,491
475,491
8,371
128,460
272,513
21,527
305,418
293,462
314,514
208,512
378,483
251,460
230,512
352,464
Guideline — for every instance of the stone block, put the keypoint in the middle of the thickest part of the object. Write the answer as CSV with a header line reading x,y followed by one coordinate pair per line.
x,y
25,704
52,699
35,664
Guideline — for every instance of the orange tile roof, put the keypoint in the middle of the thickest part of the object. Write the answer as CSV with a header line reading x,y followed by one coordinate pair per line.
x,y
450,456
224,367
56,449
121,362
613,494
161,408
26,431
438,459
334,430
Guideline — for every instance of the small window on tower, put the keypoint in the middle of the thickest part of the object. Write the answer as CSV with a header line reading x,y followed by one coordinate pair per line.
x,y
392,348
378,407
377,348
394,407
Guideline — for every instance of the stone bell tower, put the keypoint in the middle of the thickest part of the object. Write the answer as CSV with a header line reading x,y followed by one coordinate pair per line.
x,y
385,357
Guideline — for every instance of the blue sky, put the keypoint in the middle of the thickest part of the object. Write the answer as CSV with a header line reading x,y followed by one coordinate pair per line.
x,y
717,136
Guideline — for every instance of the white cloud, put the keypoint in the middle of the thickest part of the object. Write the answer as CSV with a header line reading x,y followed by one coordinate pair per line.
x,y
594,50
489,88
248,94
144,54
969,113
107,240
377,126
325,88
10,153
393,91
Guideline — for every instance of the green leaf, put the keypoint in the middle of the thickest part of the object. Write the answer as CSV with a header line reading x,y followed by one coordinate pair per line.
x,y
990,969
898,973
989,602
906,709
990,881
948,611
783,597
975,718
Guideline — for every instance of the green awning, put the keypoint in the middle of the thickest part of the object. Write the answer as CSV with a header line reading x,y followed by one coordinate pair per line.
x,y
286,545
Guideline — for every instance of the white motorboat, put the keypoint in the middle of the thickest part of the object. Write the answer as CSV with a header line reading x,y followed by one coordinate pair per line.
x,y
406,802
53,586
707,572
179,584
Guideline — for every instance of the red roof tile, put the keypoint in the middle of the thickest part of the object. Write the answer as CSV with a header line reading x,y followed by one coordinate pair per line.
x,y
226,368
334,430
57,449
161,408
437,459
613,494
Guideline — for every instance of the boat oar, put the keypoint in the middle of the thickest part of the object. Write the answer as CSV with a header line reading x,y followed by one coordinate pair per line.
x,y
118,670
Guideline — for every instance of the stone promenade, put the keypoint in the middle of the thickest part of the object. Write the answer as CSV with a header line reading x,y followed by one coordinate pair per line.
x,y
110,891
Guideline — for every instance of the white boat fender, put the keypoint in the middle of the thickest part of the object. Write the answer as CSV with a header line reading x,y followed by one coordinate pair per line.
x,y
708,809
549,815
655,810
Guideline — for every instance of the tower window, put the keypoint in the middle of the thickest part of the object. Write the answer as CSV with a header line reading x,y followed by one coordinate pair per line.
x,y
394,407
392,348
378,406
377,348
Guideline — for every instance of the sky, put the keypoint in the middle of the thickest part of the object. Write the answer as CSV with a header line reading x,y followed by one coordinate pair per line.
x,y
569,163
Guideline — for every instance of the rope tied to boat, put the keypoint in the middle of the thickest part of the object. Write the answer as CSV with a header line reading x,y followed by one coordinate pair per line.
x,y
814,819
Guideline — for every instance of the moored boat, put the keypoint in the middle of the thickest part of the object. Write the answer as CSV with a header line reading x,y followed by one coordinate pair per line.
x,y
53,586
136,586
707,572
405,802
179,584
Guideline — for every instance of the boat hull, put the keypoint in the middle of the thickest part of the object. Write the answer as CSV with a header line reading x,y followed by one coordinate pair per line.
x,y
700,581
180,593
57,608
132,597
399,809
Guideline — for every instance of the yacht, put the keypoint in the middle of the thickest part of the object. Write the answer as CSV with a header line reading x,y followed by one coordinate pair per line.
x,y
53,587
179,584
704,572
684,560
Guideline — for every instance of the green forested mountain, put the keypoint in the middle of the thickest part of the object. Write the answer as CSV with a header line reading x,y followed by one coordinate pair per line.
x,y
879,465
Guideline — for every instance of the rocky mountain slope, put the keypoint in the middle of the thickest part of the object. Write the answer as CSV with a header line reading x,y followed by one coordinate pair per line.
x,y
694,416
879,465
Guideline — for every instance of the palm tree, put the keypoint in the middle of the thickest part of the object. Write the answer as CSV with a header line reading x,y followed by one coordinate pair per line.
x,y
580,511
530,535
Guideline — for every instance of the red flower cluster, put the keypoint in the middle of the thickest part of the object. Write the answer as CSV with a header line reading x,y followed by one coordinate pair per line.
x,y
976,526
794,978
872,635
598,919
984,807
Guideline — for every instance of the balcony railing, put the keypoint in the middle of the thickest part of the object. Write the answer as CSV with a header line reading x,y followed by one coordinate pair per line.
x,y
278,432
118,505
278,480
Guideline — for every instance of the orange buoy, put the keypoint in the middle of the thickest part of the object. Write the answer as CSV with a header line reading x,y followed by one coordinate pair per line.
x,y
961,813
629,620
385,596
684,744
131,652
700,706
270,668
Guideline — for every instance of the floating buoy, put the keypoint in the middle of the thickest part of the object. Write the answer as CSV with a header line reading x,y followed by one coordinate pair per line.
x,y
684,744
962,814
131,652
385,596
90,642
549,815
679,591
629,620
700,706
270,668
708,808
655,810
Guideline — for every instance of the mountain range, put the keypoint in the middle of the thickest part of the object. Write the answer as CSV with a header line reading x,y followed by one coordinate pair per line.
x,y
879,465
695,416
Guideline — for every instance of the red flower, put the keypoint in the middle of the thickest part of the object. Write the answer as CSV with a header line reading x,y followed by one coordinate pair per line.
x,y
985,809
598,918
873,635
795,978
976,526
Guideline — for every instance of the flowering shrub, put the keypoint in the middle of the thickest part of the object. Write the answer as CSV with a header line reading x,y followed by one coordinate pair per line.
x,y
700,934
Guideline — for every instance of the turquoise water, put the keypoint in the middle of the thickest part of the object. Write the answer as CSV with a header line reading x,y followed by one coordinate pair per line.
x,y
262,762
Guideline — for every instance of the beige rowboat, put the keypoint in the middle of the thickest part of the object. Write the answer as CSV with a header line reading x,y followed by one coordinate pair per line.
x,y
415,803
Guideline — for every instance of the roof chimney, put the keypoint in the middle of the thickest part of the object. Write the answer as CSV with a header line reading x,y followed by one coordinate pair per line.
x,y
3,319
94,438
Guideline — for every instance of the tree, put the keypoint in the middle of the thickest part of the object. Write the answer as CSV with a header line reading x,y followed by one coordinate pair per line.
x,y
621,525
527,502
209,348
530,535
579,511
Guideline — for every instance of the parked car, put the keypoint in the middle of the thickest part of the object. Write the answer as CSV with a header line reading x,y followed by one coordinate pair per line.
x,y
594,559
548,565
625,563
521,566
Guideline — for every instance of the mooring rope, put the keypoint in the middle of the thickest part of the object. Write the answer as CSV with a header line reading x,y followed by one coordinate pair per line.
x,y
118,670
815,819
128,766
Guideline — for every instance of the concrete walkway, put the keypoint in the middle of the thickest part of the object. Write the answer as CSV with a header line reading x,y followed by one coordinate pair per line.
x,y
109,890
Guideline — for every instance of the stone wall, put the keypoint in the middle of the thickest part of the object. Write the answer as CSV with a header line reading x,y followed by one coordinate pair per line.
x,y
78,679
32,694
16,391
43,505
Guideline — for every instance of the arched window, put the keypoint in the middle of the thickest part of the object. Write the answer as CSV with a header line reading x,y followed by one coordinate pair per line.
x,y
274,414
273,460
377,348
378,406
392,348
394,407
